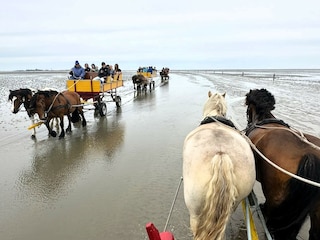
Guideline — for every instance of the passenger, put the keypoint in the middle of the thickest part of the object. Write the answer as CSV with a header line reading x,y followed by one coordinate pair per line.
x,y
94,68
103,73
77,72
116,68
87,68
117,71
111,71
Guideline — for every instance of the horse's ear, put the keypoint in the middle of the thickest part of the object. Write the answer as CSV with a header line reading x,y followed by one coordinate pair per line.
x,y
209,94
224,94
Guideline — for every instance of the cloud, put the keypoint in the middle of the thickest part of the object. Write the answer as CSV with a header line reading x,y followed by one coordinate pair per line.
x,y
36,34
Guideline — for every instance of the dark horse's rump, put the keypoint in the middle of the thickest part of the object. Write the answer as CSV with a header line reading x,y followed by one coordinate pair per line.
x,y
140,81
288,200
302,197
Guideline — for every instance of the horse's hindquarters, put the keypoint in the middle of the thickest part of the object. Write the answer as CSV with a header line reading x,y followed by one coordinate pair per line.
x,y
216,159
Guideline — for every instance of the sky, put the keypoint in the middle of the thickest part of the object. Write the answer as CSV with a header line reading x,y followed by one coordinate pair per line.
x,y
203,34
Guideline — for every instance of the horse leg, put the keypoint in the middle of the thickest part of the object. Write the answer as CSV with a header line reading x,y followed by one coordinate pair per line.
x,y
51,132
314,232
84,121
69,124
62,134
34,129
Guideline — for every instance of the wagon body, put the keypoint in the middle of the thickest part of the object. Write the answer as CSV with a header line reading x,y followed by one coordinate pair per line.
x,y
148,74
89,88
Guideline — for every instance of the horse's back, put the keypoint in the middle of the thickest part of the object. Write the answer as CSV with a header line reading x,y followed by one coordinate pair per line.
x,y
72,97
208,140
280,144
218,172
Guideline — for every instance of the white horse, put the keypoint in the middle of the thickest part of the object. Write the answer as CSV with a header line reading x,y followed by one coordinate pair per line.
x,y
218,171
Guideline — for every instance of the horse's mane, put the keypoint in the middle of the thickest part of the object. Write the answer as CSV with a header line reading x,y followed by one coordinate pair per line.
x,y
262,100
24,92
46,93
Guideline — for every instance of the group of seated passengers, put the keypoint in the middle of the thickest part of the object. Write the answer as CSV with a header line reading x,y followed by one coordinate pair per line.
x,y
147,69
78,72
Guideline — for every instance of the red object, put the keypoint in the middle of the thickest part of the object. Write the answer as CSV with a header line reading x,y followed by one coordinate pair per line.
x,y
154,234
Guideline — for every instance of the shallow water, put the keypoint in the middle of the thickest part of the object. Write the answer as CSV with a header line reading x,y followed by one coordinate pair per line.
x,y
106,181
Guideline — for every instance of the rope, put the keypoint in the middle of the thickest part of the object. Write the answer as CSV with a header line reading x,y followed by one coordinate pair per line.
x,y
174,200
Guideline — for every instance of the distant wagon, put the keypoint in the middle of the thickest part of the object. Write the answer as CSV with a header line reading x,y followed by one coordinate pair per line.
x,y
164,74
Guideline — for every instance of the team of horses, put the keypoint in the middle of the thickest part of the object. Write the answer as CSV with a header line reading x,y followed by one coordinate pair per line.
x,y
221,163
164,74
49,104
141,83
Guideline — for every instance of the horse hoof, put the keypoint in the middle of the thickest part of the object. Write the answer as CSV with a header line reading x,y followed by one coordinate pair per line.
x,y
33,136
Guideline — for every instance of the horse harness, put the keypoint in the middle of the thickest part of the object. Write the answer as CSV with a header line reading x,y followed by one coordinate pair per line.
x,y
219,119
67,106
252,126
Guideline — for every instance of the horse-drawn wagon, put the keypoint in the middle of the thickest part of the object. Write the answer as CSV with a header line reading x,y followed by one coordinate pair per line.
x,y
89,88
144,77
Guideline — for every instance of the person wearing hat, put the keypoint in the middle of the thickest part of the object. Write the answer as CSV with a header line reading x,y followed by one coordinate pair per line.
x,y
77,72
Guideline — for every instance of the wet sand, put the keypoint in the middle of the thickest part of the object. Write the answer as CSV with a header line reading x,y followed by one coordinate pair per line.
x,y
106,181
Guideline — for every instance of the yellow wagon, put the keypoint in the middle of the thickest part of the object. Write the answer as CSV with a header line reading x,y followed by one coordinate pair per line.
x,y
89,88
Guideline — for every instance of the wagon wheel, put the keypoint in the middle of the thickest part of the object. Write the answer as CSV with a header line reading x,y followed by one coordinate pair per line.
x,y
118,101
102,107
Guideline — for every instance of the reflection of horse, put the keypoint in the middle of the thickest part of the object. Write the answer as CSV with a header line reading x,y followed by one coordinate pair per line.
x,y
164,74
50,104
218,171
288,200
140,82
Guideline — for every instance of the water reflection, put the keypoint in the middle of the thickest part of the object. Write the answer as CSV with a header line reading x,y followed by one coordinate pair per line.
x,y
58,163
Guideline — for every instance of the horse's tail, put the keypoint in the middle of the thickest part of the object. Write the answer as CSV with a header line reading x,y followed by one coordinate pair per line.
x,y
219,200
301,197
75,116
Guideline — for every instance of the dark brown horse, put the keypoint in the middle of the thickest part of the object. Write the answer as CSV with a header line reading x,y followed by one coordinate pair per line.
x,y
50,104
140,82
288,200
20,97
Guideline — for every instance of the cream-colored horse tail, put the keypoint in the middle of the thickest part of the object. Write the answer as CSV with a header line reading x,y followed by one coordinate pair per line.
x,y
219,200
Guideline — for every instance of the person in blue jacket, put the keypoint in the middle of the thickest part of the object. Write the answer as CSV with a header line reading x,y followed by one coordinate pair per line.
x,y
77,72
